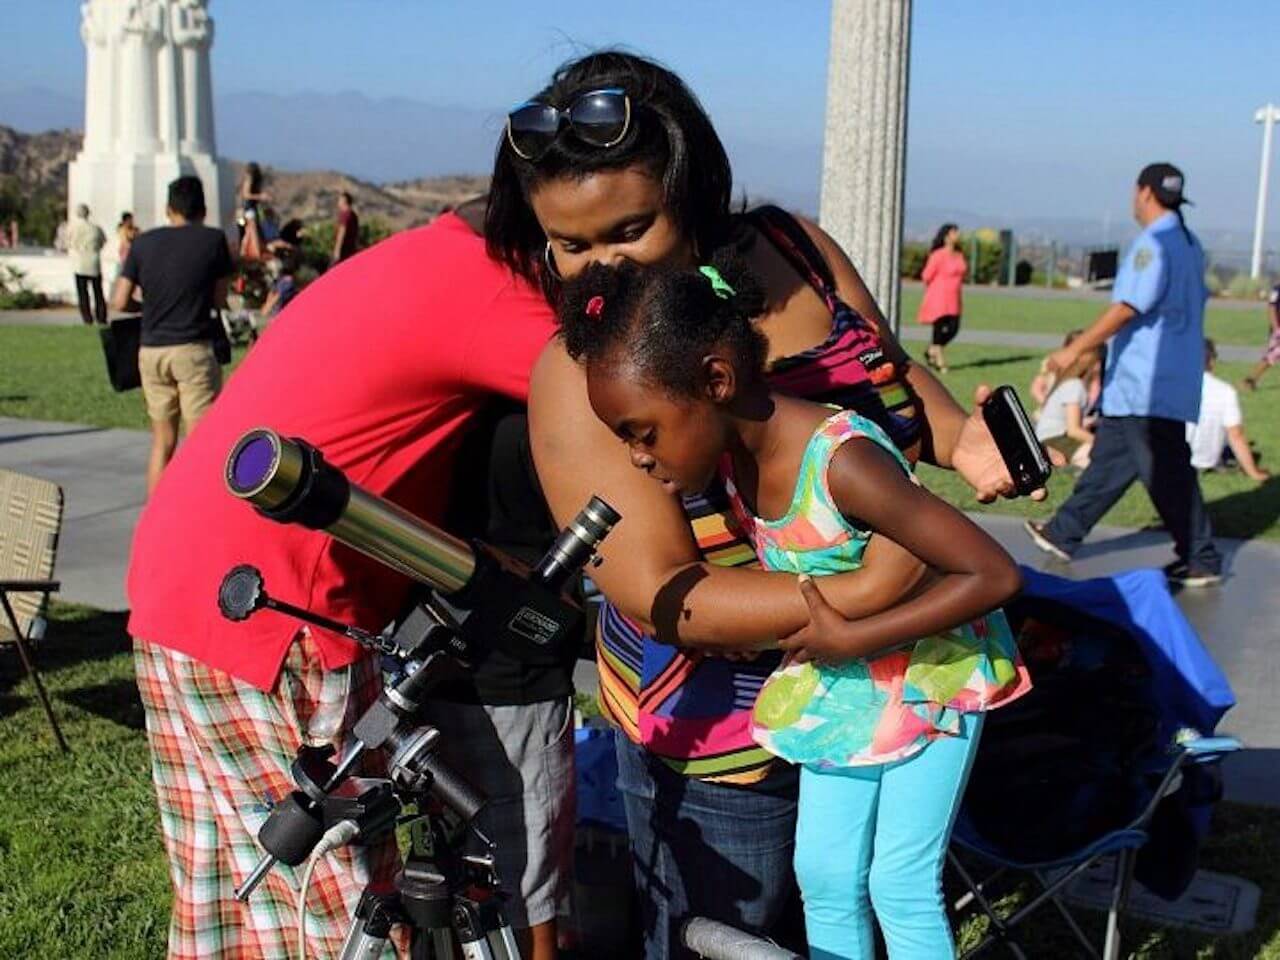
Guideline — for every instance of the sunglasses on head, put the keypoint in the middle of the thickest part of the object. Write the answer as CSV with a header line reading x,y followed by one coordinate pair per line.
x,y
598,117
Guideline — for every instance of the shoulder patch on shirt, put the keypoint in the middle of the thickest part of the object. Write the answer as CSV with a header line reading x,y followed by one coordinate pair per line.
x,y
1142,258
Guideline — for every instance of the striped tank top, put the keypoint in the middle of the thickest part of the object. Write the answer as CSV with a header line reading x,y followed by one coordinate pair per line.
x,y
694,710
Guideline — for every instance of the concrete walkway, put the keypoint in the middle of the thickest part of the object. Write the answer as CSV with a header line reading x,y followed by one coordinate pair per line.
x,y
101,472
102,475
1042,343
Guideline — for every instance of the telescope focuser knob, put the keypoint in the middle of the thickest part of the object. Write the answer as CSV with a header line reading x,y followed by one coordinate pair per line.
x,y
241,592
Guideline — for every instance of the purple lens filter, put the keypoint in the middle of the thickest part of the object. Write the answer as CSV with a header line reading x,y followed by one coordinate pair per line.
x,y
253,462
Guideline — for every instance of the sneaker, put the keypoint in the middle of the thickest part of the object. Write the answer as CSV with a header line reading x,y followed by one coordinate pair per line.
x,y
1183,574
1036,532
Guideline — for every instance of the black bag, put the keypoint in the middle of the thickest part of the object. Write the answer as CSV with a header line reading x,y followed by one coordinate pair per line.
x,y
120,340
221,342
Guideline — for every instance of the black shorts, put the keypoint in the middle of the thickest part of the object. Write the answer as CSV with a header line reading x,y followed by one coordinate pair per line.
x,y
945,330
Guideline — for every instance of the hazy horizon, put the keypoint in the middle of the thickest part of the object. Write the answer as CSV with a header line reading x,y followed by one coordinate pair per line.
x,y
1017,114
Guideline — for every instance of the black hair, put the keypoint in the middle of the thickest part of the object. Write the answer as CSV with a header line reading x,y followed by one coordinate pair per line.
x,y
254,173
186,198
664,319
670,135
346,195
940,238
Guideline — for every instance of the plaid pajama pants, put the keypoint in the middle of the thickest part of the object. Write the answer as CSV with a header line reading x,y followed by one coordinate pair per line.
x,y
219,749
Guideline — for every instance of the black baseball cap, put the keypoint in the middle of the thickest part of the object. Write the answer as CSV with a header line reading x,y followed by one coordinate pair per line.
x,y
1165,181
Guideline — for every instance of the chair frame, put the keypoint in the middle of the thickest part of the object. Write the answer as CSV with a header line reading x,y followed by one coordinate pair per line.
x,y
1125,842
45,587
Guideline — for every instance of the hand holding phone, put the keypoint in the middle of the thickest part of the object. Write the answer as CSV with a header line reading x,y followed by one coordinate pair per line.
x,y
1015,438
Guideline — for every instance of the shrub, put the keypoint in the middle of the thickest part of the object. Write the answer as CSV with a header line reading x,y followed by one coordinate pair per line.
x,y
1213,283
1246,287
913,257
985,268
317,241
16,295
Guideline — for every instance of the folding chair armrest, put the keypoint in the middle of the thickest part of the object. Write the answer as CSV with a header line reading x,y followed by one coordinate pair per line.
x,y
30,586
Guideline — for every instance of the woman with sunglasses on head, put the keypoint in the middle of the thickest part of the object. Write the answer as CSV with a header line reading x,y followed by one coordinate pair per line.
x,y
616,160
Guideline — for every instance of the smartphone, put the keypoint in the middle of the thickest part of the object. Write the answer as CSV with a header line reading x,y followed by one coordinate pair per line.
x,y
1015,438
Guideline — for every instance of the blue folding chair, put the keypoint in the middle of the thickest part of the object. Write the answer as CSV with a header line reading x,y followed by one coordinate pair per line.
x,y
1056,874
1179,697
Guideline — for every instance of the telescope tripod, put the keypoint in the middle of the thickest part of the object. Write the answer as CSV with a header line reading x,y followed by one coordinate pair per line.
x,y
445,899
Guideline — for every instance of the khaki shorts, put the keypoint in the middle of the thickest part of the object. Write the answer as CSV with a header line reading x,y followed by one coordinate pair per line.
x,y
182,379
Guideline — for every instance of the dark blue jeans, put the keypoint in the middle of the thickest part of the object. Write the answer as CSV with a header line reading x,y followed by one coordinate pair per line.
x,y
1153,450
706,849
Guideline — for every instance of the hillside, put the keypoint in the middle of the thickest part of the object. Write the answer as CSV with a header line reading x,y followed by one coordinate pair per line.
x,y
35,166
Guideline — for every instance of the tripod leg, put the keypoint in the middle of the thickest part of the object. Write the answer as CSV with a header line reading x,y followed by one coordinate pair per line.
x,y
441,944
503,943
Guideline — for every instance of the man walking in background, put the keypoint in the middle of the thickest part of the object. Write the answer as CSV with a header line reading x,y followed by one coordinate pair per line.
x,y
1154,329
346,240
182,270
85,240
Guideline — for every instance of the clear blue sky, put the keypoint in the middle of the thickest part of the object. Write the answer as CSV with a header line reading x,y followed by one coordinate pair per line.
x,y
1017,109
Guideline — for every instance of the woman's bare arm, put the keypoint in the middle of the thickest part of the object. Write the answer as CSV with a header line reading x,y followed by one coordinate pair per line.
x,y
651,569
973,573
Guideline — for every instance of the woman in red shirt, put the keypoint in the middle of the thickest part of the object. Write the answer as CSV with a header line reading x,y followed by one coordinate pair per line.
x,y
943,277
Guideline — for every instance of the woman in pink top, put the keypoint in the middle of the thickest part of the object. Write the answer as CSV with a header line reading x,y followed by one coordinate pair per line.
x,y
943,276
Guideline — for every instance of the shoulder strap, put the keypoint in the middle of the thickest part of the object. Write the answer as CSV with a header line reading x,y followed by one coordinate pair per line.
x,y
794,243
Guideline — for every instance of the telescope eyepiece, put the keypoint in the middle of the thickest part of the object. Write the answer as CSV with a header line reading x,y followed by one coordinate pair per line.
x,y
576,544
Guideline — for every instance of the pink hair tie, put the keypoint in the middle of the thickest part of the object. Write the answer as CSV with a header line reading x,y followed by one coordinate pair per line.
x,y
595,307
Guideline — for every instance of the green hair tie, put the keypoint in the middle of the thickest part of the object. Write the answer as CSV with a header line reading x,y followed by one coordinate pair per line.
x,y
718,284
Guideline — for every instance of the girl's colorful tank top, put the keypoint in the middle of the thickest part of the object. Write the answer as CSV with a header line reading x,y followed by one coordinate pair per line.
x,y
883,708
691,709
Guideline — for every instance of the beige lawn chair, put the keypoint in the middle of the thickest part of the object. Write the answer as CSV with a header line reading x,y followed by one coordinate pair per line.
x,y
30,520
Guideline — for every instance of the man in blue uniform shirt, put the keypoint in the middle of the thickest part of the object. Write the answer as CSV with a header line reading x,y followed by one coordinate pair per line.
x,y
1154,329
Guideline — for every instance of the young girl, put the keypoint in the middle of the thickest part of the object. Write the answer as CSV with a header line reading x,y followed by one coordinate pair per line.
x,y
885,723
1062,421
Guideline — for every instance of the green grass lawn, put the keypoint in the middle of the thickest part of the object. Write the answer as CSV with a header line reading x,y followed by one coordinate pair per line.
x,y
59,373
83,872
1238,506
984,310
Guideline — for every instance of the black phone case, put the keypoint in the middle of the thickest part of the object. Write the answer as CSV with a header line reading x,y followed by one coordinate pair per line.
x,y
1016,440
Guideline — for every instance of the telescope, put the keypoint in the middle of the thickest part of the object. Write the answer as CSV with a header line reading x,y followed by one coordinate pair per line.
x,y
520,610
523,611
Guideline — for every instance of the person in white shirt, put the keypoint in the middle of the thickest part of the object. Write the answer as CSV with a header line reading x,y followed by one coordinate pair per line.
x,y
1221,424
1061,422
85,240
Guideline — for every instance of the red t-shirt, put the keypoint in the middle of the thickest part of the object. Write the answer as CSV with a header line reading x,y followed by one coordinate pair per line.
x,y
381,364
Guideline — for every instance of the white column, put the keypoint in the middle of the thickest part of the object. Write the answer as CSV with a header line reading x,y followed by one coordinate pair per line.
x,y
95,31
169,91
138,107
865,145
192,30
1268,116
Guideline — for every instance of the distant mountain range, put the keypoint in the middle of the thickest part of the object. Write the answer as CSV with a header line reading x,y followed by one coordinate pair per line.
x,y
38,163
403,157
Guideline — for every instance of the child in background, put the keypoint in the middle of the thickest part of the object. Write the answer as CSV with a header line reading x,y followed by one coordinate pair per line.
x,y
1063,423
284,288
885,723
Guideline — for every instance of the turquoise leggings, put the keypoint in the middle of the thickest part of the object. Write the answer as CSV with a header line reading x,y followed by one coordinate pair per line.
x,y
876,837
